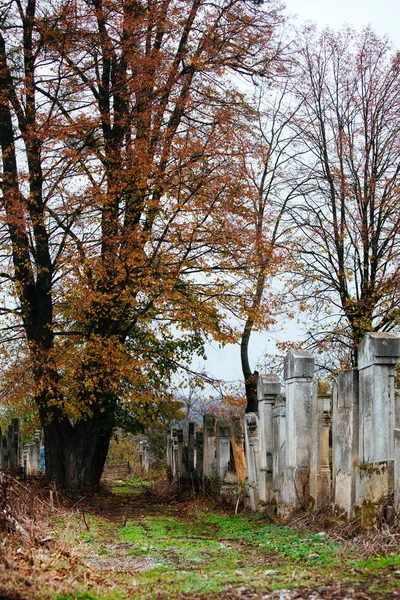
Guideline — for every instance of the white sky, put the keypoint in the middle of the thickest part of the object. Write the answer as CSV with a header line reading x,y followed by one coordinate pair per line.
x,y
382,15
384,18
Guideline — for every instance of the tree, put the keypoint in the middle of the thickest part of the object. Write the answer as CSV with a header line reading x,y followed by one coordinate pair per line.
x,y
348,221
119,180
271,186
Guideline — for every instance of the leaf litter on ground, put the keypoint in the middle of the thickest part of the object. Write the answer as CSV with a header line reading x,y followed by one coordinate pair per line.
x,y
124,543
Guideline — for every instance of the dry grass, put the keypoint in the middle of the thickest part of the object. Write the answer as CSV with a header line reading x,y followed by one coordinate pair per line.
x,y
381,539
25,510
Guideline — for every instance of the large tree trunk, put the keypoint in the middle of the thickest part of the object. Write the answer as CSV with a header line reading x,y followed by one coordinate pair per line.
x,y
75,453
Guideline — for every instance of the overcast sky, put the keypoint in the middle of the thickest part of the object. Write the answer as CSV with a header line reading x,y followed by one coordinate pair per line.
x,y
384,18
382,15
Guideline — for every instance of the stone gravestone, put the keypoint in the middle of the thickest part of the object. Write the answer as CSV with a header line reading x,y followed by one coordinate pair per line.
x,y
252,442
299,372
279,450
345,445
378,355
268,389
320,473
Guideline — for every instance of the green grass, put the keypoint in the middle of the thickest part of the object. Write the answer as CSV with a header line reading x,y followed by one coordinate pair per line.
x,y
78,596
208,554
290,543
130,486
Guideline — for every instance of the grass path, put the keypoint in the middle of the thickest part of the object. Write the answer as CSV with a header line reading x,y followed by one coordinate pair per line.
x,y
121,544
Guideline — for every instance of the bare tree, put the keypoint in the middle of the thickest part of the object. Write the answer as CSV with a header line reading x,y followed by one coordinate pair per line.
x,y
271,186
348,221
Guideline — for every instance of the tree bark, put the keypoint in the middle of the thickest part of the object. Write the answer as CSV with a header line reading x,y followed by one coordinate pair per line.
x,y
75,454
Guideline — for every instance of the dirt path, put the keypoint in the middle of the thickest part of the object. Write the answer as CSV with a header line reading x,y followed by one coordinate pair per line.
x,y
123,543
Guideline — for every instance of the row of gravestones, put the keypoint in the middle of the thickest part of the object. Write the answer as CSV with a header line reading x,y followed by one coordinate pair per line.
x,y
207,457
306,445
289,457
16,457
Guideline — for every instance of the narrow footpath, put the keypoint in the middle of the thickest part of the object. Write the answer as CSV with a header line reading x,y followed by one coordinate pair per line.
x,y
132,541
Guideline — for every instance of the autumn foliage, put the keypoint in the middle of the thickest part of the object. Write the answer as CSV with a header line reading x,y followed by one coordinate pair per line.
x,y
122,201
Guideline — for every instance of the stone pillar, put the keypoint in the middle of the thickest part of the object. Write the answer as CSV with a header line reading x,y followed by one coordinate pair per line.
x,y
320,474
267,390
144,456
199,455
252,450
174,438
378,355
181,467
27,463
17,442
325,491
141,457
237,440
191,448
345,443
279,446
12,455
4,446
35,457
397,471
208,447
169,455
299,371
223,452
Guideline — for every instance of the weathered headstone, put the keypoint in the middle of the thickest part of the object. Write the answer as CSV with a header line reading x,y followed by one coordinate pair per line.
x,y
279,449
299,372
237,440
320,473
223,450
208,448
345,444
267,391
199,455
378,355
191,446
252,450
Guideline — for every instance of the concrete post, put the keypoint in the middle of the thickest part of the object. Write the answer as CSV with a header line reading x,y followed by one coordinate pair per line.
x,y
12,456
237,440
320,474
191,448
146,458
325,489
208,447
4,445
299,371
36,451
345,443
141,457
279,453
378,355
267,390
223,453
174,438
169,455
397,471
181,467
26,457
199,455
17,442
252,450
